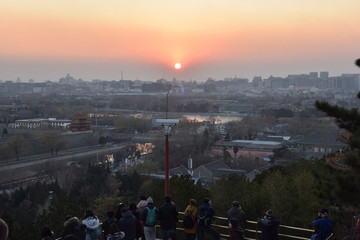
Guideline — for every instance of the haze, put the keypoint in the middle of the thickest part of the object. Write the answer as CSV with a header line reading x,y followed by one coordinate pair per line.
x,y
44,40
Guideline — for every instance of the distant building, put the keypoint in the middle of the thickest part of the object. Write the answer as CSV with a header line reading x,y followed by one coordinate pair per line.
x,y
209,172
42,122
80,123
319,144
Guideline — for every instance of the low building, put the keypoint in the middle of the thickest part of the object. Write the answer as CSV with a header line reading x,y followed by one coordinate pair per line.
x,y
42,122
209,172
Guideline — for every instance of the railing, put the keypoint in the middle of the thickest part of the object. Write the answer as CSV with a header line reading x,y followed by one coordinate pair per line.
x,y
285,232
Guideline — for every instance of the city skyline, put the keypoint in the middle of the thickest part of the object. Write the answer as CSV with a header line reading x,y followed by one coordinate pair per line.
x,y
143,40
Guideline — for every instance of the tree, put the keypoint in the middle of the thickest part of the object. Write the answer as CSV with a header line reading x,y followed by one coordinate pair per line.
x,y
17,144
235,150
348,181
53,141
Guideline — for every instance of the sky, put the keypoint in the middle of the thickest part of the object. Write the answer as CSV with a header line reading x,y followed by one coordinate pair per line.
x,y
143,39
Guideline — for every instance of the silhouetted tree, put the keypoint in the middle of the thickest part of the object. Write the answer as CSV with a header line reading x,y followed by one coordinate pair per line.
x,y
348,181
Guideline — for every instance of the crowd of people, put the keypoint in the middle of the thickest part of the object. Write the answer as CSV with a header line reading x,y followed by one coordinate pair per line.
x,y
138,221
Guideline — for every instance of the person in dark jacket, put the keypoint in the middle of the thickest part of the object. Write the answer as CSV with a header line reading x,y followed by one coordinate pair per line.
x,y
139,223
72,226
118,215
168,217
46,233
236,232
324,225
115,233
236,212
127,224
4,230
205,215
108,221
269,226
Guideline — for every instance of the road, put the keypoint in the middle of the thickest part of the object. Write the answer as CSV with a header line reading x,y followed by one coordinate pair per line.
x,y
14,171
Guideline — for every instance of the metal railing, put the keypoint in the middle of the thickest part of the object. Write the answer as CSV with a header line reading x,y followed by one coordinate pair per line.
x,y
285,232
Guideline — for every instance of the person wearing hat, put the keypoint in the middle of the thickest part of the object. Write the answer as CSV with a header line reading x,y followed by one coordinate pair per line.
x,y
236,212
118,214
324,225
148,215
205,215
269,226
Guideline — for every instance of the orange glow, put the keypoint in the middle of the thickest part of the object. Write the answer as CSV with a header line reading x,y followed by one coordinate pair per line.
x,y
199,35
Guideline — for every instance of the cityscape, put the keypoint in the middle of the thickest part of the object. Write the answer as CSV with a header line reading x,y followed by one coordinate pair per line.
x,y
179,120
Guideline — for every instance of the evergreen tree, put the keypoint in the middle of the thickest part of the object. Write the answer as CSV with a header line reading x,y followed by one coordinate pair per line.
x,y
348,182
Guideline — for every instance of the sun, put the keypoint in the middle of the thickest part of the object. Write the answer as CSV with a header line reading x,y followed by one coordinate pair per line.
x,y
177,65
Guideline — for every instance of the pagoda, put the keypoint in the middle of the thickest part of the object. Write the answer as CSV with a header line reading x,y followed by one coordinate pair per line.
x,y
80,123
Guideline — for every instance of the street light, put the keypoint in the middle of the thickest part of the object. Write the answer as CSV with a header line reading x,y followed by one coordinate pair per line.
x,y
167,124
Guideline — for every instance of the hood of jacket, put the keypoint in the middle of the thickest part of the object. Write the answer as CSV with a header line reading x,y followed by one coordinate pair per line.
x,y
73,220
128,214
91,223
117,236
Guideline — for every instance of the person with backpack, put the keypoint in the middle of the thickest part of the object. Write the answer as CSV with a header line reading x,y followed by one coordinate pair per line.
x,y
190,220
149,215
93,231
205,215
168,217
269,226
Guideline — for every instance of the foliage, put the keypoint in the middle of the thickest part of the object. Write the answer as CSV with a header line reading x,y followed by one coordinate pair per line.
x,y
132,124
53,141
97,181
347,181
17,144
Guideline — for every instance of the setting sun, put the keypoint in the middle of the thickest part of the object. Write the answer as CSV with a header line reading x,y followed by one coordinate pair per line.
x,y
177,65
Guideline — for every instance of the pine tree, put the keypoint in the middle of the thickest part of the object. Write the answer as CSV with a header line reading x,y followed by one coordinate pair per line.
x,y
348,182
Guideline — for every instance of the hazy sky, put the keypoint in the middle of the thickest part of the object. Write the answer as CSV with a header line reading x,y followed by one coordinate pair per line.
x,y
93,39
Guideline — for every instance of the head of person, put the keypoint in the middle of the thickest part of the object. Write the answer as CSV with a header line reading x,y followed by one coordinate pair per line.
x,y
132,206
324,212
4,230
71,237
192,202
123,211
114,228
269,214
110,214
167,199
150,200
236,204
89,213
120,206
206,201
46,232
